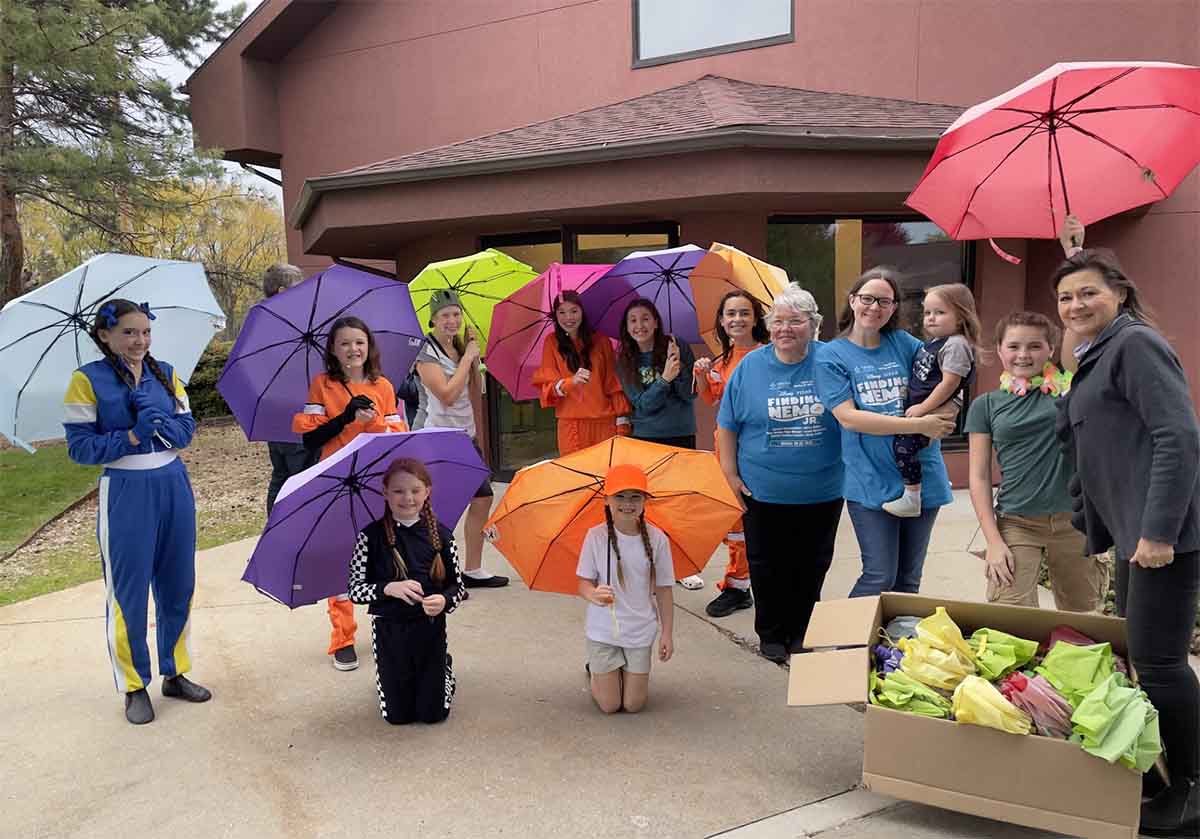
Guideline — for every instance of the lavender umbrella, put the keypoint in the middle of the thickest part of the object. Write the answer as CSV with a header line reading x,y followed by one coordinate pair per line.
x,y
659,276
281,345
304,553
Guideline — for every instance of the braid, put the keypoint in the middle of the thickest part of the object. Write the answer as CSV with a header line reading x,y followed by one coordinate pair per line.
x,y
389,532
437,569
612,543
120,369
162,378
646,542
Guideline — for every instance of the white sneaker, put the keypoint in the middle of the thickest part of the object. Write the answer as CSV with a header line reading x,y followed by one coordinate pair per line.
x,y
905,507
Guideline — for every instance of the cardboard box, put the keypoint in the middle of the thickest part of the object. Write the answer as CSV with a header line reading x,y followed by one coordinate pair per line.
x,y
1034,781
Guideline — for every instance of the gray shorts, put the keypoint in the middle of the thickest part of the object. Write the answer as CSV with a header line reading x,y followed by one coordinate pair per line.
x,y
605,658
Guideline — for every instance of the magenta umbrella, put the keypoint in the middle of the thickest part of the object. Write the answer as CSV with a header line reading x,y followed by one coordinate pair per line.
x,y
1090,139
522,321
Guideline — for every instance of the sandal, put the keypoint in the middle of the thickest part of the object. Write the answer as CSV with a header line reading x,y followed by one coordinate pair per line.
x,y
692,583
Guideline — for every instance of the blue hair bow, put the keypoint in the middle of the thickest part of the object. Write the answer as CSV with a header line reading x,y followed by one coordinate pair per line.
x,y
107,315
145,307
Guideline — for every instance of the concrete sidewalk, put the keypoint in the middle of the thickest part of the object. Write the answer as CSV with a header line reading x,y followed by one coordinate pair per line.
x,y
291,748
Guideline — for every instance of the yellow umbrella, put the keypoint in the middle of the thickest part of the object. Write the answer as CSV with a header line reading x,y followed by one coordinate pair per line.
x,y
725,268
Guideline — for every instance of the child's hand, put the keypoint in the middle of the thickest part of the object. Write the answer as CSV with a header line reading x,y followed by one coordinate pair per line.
x,y
602,596
365,417
433,605
914,411
409,591
666,647
582,376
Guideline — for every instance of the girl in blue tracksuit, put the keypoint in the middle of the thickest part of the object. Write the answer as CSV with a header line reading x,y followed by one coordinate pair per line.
x,y
130,413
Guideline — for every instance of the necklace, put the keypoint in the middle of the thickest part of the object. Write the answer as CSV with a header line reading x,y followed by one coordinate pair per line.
x,y
1052,382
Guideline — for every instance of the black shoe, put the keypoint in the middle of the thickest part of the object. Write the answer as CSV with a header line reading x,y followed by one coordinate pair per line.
x,y
773,652
494,581
728,602
181,687
1173,812
138,709
345,658
797,647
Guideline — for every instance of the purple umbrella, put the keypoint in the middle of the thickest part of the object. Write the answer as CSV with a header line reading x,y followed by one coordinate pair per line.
x,y
282,343
304,553
659,276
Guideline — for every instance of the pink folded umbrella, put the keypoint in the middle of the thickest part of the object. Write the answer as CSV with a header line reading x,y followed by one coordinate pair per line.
x,y
1090,139
522,321
1050,712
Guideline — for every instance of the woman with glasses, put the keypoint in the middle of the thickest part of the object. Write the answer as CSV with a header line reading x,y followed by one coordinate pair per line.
x,y
780,451
861,377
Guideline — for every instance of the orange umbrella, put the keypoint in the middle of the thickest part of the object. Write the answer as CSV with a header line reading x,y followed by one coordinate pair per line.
x,y
549,507
725,268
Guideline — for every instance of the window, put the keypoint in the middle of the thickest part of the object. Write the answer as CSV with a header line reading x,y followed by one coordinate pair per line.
x,y
676,30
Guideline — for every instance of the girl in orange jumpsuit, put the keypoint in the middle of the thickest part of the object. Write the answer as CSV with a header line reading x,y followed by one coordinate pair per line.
x,y
741,329
578,378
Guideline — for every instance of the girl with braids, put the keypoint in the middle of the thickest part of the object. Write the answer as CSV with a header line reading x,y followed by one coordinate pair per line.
x,y
578,378
405,567
135,424
740,329
349,398
624,571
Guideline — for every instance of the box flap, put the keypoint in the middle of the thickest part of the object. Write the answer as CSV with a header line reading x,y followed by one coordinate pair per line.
x,y
842,623
832,677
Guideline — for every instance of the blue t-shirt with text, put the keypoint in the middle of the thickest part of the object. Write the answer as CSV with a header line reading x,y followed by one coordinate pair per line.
x,y
877,381
789,449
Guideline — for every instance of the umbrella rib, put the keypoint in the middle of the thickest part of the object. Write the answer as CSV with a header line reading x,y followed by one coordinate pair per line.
x,y
37,364
117,288
55,325
1062,176
1033,122
1118,150
515,333
345,306
235,359
258,400
979,185
1095,89
330,491
1110,108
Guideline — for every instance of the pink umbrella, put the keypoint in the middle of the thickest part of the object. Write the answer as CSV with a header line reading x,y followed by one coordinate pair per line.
x,y
521,322
1086,138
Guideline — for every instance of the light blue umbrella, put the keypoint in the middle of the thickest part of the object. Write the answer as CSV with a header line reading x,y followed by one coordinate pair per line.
x,y
44,334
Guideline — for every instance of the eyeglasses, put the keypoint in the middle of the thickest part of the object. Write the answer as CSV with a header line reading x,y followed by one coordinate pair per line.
x,y
870,300
790,323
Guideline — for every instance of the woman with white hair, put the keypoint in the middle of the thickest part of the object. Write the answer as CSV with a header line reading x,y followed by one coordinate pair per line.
x,y
781,452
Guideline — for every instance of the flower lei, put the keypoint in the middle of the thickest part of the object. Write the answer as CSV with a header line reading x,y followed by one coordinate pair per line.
x,y
1052,382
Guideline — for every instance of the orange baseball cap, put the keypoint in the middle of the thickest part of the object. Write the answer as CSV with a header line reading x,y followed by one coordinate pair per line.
x,y
625,476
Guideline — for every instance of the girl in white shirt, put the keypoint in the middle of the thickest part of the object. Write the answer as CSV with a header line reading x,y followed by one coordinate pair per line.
x,y
625,574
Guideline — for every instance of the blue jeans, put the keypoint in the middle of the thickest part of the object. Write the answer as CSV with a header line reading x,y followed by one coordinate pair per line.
x,y
893,549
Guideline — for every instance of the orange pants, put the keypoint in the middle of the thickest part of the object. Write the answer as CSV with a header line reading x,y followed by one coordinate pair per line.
x,y
576,434
738,568
341,622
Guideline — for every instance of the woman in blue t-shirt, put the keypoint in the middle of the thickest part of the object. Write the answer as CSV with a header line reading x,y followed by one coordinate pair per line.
x,y
861,377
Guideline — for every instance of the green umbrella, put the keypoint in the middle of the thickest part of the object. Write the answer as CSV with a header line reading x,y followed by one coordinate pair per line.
x,y
481,281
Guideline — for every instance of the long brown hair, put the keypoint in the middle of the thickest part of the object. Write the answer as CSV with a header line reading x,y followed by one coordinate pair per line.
x,y
962,303
333,367
758,332
889,275
627,355
411,466
1104,262
612,544
120,308
575,358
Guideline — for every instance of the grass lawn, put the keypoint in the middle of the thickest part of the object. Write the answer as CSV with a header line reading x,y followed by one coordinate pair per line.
x,y
35,488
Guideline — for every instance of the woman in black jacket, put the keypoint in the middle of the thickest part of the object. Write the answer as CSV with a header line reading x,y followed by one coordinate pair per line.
x,y
1130,425
405,567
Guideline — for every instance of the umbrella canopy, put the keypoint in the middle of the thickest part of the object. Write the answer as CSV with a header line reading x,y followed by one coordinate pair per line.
x,y
282,344
481,281
521,322
304,552
549,507
44,334
659,276
723,269
1088,138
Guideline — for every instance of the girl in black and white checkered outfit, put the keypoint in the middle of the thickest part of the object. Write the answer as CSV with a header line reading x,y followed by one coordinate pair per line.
x,y
405,568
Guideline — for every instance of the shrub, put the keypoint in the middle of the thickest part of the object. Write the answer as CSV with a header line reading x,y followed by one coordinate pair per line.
x,y
202,389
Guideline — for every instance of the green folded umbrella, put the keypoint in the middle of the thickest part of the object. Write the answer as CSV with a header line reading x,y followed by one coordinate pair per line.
x,y
998,653
901,692
1075,671
1117,722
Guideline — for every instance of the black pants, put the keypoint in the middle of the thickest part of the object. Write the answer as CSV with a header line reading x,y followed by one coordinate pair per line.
x,y
687,441
412,670
287,459
907,448
789,548
1159,607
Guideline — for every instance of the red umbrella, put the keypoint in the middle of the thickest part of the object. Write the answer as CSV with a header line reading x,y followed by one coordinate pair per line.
x,y
1086,138
521,322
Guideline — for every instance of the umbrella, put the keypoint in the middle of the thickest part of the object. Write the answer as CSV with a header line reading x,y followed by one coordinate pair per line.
x,y
481,281
43,334
521,322
1087,138
304,552
723,269
659,276
282,343
549,507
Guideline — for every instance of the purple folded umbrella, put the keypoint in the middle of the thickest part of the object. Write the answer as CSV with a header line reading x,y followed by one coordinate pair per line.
x,y
659,276
282,343
304,553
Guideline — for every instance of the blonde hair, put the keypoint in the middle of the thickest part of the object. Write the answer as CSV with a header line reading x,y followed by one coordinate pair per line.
x,y
962,303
